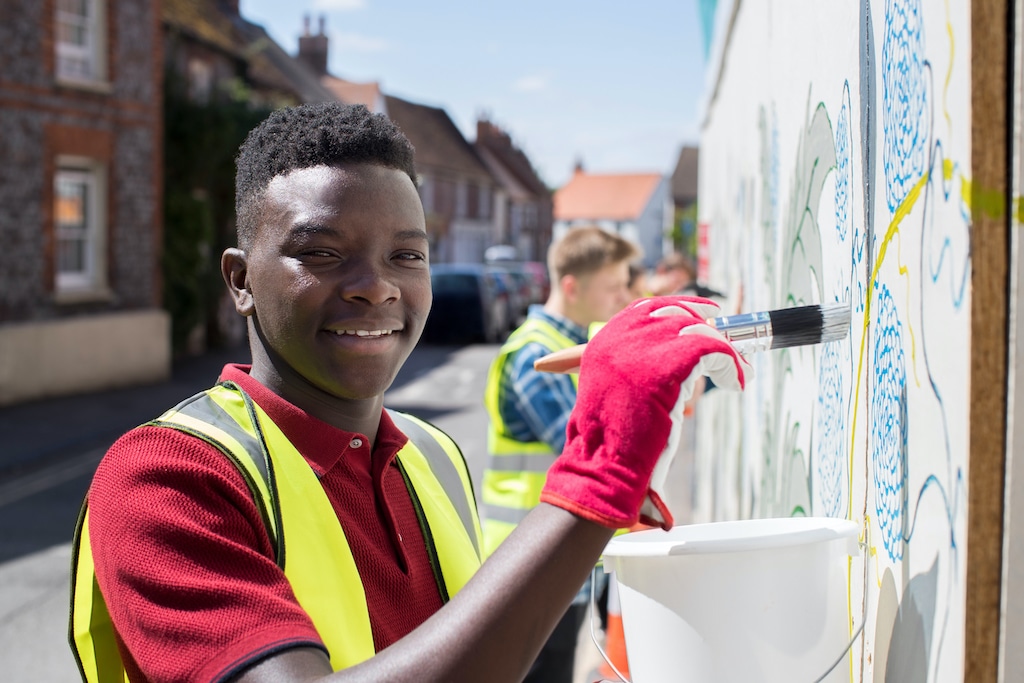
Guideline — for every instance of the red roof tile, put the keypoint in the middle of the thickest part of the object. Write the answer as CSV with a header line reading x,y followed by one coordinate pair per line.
x,y
350,92
605,196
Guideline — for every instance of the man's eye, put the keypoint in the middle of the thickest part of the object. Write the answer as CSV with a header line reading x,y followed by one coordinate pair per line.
x,y
317,253
409,256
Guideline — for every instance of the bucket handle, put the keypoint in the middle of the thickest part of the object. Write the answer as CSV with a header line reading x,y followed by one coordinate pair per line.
x,y
856,634
593,632
623,679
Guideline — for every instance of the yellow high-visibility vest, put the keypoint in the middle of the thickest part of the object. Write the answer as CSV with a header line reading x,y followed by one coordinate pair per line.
x,y
303,527
516,470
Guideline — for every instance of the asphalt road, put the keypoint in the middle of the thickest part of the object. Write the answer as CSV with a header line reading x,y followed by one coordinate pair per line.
x,y
49,450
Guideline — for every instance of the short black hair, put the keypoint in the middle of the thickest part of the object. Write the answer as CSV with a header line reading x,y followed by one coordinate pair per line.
x,y
321,134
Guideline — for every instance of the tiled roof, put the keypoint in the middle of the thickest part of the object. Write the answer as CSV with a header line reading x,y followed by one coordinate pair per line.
x,y
267,64
439,143
684,178
272,65
201,20
492,138
605,196
349,92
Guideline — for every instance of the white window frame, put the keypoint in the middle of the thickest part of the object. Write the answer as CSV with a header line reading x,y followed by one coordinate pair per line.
x,y
426,190
200,80
90,280
82,63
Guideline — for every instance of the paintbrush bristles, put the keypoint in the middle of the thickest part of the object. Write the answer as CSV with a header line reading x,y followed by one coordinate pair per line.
x,y
796,326
804,325
835,322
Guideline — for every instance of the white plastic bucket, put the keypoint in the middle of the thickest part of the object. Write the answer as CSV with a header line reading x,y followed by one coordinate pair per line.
x,y
761,600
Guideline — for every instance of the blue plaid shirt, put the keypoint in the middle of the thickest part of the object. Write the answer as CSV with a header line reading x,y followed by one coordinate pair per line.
x,y
535,406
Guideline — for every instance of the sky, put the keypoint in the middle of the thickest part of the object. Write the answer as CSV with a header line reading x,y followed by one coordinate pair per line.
x,y
617,85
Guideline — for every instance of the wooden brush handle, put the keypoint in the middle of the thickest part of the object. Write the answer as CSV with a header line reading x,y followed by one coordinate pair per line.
x,y
565,361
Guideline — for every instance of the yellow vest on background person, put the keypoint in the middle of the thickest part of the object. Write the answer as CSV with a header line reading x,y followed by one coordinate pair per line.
x,y
516,470
303,527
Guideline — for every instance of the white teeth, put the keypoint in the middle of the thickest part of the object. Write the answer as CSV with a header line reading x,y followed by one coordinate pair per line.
x,y
365,333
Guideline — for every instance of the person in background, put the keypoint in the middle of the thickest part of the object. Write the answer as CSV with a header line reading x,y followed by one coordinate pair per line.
x,y
528,410
676,273
284,526
638,281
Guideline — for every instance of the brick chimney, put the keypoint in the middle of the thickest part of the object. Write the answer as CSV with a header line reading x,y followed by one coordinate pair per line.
x,y
313,49
491,135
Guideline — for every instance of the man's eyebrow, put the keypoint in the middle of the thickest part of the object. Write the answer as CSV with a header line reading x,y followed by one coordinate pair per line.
x,y
413,234
309,230
301,230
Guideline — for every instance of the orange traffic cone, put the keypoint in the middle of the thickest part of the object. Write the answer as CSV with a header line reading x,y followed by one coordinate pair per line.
x,y
614,637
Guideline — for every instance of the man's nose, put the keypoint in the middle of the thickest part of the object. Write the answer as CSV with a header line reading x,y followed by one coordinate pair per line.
x,y
368,282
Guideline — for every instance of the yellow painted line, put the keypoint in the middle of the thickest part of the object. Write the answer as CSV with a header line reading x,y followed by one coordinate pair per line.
x,y
901,212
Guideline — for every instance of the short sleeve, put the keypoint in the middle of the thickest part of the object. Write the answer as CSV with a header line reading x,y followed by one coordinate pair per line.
x,y
184,562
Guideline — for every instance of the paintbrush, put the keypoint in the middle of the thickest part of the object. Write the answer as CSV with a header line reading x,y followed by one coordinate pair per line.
x,y
748,332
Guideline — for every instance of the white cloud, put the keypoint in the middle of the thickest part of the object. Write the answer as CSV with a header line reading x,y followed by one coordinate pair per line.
x,y
531,83
357,42
340,5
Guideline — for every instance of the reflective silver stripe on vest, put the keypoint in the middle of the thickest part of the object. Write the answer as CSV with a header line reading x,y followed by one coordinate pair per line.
x,y
521,462
500,513
202,407
441,467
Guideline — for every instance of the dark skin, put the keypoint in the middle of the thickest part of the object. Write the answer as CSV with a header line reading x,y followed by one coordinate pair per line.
x,y
336,289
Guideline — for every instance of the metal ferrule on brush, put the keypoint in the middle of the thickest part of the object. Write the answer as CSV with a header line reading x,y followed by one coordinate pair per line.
x,y
748,332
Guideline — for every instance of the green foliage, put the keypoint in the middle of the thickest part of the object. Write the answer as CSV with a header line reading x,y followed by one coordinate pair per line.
x,y
684,229
200,143
187,267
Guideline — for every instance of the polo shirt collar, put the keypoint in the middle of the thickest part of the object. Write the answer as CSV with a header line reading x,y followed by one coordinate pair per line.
x,y
321,444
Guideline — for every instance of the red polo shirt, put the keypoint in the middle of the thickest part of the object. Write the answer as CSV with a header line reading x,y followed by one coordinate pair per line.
x,y
187,568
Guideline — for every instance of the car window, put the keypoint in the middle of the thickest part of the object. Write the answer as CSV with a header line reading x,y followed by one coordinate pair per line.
x,y
453,282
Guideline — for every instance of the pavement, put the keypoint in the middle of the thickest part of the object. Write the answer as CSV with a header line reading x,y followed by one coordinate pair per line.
x,y
38,434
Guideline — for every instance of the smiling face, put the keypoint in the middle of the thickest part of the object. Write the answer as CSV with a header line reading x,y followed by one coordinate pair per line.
x,y
336,284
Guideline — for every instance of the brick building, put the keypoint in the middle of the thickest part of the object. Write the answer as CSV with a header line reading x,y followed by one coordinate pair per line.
x,y
80,198
524,205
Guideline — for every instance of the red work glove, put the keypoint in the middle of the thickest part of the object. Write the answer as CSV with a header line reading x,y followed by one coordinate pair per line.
x,y
636,374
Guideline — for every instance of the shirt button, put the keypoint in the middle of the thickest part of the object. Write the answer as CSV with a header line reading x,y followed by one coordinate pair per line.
x,y
356,443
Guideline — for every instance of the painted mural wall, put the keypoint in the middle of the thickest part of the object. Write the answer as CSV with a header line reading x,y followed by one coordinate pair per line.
x,y
834,167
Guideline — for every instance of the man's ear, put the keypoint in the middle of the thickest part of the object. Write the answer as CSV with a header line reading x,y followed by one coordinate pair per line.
x,y
234,267
569,284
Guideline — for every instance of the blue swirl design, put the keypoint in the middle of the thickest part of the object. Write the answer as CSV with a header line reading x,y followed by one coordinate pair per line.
x,y
888,430
843,171
830,431
859,277
904,99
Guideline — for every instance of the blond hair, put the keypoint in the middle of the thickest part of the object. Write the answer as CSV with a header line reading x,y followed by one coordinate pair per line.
x,y
586,250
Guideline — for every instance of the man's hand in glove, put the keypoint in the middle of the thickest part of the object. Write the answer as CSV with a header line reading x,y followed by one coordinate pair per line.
x,y
636,374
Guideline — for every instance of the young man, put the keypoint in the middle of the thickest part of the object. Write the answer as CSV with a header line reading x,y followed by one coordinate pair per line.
x,y
282,526
528,410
